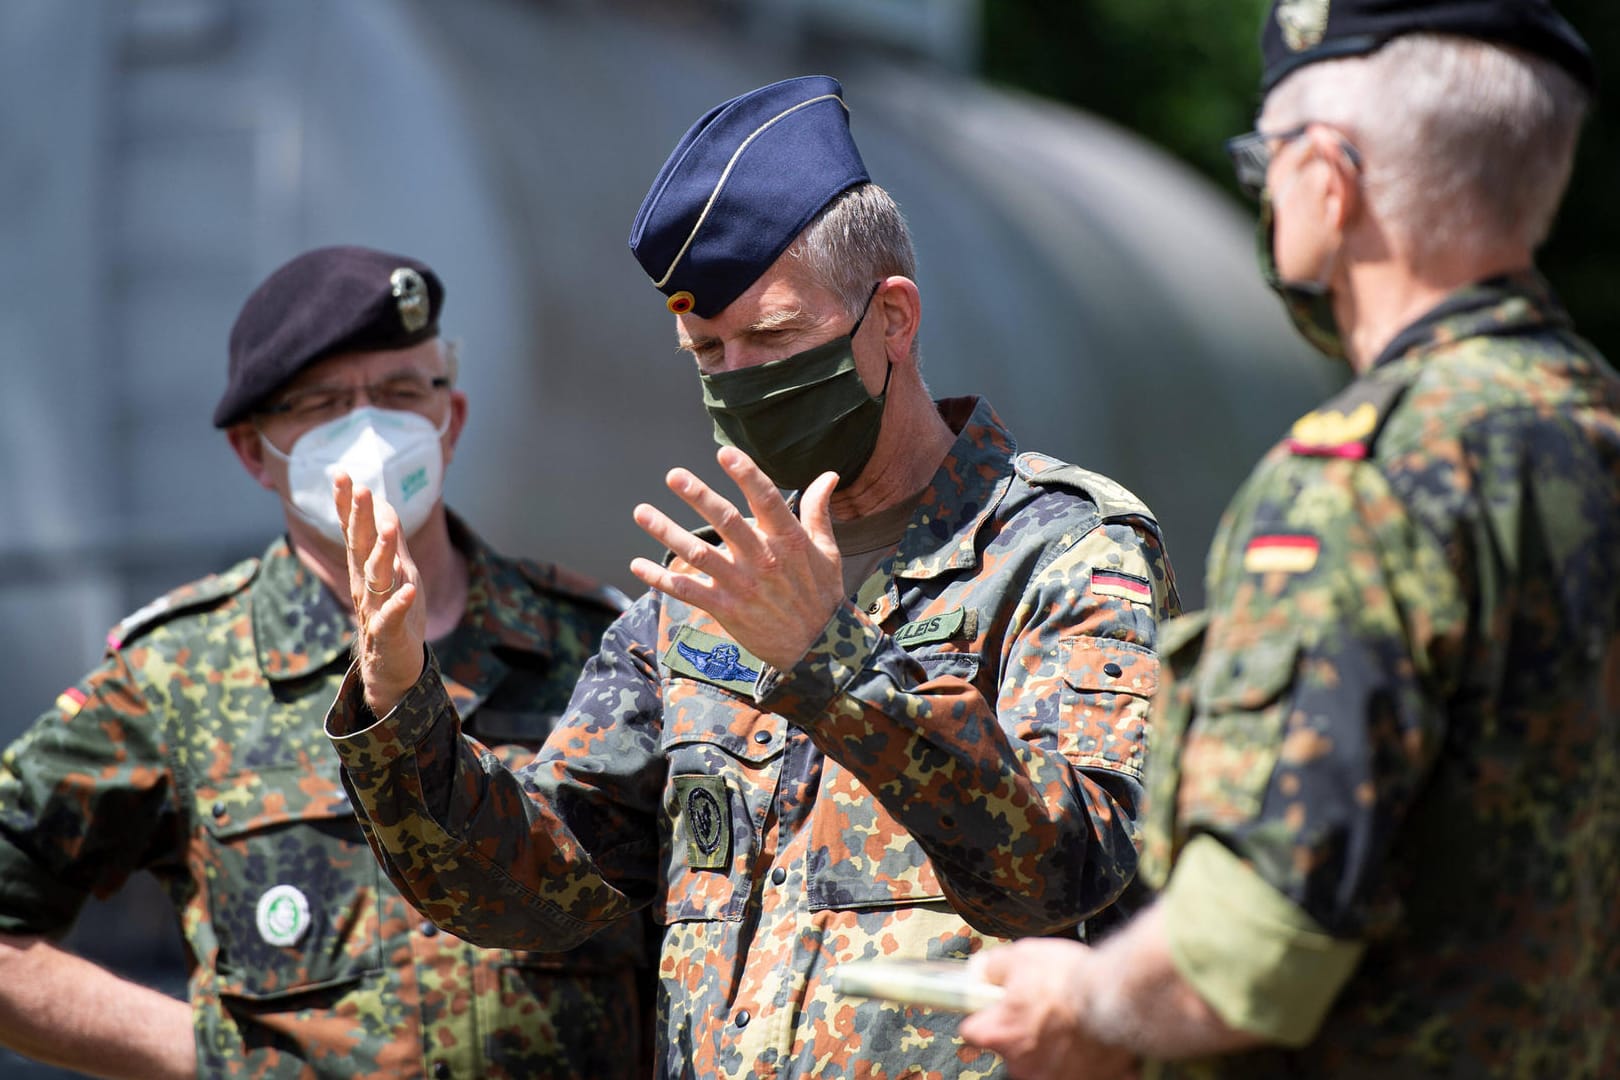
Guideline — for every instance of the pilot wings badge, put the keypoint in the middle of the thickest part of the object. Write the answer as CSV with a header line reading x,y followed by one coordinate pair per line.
x,y
713,659
720,662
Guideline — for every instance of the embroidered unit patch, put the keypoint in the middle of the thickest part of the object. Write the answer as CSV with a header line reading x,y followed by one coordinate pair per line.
x,y
705,807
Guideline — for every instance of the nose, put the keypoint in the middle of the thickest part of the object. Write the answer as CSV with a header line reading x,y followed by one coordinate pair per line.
x,y
364,395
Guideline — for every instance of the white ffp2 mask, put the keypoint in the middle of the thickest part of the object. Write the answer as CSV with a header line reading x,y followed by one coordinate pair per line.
x,y
396,454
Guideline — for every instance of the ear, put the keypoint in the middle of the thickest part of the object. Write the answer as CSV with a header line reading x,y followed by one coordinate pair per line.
x,y
897,308
1342,185
458,420
244,439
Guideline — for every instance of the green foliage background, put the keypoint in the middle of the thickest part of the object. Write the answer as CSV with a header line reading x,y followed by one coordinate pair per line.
x,y
1184,73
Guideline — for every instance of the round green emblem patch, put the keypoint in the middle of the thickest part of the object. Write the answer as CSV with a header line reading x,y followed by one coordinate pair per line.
x,y
283,915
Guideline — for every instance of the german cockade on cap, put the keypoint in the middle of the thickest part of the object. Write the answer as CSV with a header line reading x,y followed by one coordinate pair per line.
x,y
326,301
1300,32
739,186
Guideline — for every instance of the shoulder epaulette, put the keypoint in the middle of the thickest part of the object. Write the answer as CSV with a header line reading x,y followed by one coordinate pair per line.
x,y
1113,499
549,577
197,594
1349,423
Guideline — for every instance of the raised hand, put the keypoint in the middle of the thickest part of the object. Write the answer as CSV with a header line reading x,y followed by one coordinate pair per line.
x,y
383,586
776,581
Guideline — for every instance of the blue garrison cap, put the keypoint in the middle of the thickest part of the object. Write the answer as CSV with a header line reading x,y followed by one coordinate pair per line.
x,y
1300,32
739,186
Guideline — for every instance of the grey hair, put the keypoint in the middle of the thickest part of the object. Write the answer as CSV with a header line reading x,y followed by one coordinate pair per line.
x,y
451,350
1466,145
857,239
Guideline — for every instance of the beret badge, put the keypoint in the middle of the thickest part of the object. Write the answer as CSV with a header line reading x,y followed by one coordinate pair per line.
x,y
680,303
411,298
1303,22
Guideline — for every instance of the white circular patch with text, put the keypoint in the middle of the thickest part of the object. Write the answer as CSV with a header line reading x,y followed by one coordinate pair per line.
x,y
283,915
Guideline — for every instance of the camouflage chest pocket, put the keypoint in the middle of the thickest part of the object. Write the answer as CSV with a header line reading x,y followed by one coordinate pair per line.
x,y
723,756
860,856
943,661
1233,741
292,888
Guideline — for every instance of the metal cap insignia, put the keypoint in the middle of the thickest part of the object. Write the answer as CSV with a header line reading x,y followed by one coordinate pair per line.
x,y
411,297
1303,22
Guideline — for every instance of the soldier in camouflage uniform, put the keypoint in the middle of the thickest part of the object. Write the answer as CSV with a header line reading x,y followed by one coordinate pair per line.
x,y
1384,800
195,751
906,721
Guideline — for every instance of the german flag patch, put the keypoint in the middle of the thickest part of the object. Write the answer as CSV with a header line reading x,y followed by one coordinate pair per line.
x,y
1281,554
70,701
1125,586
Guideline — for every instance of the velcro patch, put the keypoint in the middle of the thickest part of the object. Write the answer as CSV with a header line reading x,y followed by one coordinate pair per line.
x,y
1286,554
704,805
70,701
715,660
1125,586
957,623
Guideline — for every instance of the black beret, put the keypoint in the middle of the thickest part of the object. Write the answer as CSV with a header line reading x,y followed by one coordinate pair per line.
x,y
327,301
1301,32
739,186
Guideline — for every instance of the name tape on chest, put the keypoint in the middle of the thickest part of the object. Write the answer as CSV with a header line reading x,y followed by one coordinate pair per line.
x,y
957,624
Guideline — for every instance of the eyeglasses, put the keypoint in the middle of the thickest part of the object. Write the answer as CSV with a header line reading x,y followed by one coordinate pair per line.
x,y
1251,155
318,404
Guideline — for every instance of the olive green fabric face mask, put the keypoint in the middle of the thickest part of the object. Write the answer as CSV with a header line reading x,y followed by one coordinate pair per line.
x,y
800,416
1309,303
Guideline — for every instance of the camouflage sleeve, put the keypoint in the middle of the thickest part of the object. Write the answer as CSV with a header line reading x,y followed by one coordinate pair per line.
x,y
1022,790
536,859
86,799
1317,700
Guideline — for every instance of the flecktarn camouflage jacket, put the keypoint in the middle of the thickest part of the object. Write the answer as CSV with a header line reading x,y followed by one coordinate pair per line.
x,y
195,751
957,759
1401,711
